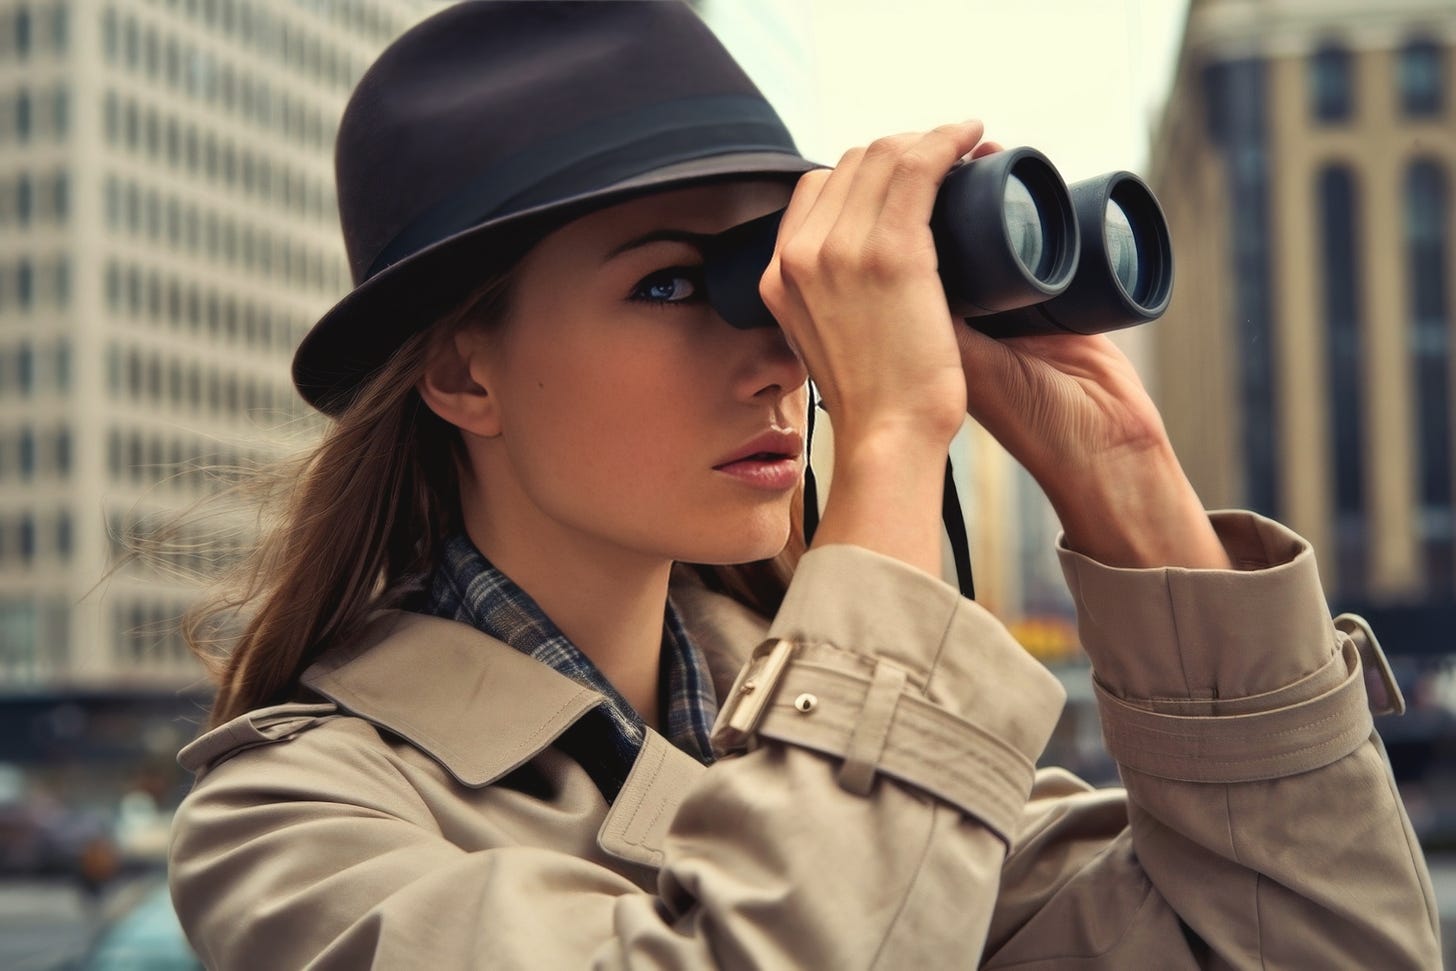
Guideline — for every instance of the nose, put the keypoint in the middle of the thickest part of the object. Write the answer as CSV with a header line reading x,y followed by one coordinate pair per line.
x,y
770,367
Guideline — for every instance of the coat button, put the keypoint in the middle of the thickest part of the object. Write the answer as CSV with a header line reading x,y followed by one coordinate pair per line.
x,y
806,703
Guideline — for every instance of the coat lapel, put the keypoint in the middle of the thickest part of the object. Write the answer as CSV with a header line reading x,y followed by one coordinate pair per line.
x,y
477,706
481,708
636,825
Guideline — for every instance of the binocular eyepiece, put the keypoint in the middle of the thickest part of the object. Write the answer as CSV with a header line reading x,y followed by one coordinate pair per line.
x,y
1020,252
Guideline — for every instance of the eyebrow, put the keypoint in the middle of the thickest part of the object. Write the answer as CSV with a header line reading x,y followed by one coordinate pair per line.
x,y
696,240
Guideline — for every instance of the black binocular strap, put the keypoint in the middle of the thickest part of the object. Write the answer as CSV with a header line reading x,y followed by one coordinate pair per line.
x,y
950,508
955,529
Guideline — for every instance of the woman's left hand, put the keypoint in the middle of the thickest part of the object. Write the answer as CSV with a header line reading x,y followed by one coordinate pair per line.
x,y
1073,411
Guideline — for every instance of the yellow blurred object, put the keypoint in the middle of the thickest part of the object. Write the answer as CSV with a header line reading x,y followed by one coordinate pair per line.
x,y
1048,639
99,861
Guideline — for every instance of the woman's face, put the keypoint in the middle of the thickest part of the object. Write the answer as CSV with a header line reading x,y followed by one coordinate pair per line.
x,y
625,406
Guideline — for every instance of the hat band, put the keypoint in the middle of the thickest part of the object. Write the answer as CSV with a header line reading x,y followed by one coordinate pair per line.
x,y
594,156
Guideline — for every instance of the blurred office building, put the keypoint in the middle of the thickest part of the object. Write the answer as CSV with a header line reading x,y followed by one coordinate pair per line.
x,y
167,234
1307,163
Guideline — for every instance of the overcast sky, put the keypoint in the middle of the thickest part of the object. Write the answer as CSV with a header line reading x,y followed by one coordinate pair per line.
x,y
1078,79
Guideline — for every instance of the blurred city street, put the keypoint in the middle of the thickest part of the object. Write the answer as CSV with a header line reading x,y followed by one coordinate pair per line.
x,y
50,924
169,233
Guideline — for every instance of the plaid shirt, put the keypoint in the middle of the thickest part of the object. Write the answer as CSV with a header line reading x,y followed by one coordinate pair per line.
x,y
466,587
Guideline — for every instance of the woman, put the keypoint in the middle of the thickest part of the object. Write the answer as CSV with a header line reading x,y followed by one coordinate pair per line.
x,y
475,730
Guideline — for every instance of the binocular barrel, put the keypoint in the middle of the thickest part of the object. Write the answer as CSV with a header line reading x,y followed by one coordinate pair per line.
x,y
1019,251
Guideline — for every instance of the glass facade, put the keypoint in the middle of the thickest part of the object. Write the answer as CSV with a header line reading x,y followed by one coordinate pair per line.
x,y
1340,286
1421,81
1235,93
1331,84
1428,253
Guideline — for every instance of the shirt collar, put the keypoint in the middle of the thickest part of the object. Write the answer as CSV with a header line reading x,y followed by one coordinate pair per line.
x,y
466,587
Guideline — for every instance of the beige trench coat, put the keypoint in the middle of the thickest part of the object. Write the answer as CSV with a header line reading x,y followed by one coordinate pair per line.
x,y
418,816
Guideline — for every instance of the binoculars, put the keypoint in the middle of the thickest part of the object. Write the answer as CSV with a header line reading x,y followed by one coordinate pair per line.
x,y
1020,252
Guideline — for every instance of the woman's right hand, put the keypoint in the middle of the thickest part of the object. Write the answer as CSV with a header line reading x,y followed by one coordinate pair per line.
x,y
853,283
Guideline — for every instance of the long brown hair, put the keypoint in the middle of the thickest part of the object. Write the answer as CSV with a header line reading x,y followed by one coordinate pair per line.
x,y
353,523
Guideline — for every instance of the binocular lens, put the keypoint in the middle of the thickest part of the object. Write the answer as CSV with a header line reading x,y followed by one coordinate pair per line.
x,y
1026,228
1123,252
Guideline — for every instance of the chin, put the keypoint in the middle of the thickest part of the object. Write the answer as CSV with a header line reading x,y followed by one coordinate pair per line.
x,y
748,542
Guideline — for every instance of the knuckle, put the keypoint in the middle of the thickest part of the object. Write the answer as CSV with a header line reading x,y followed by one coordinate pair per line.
x,y
881,258
889,146
809,185
773,298
837,257
913,166
796,262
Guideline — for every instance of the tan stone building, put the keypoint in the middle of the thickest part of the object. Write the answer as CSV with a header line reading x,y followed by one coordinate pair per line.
x,y
1307,163
167,234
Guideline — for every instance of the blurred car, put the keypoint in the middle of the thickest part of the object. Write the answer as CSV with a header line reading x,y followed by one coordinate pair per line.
x,y
40,836
146,938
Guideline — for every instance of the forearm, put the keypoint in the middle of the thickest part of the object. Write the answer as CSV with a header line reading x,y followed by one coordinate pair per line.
x,y
1137,509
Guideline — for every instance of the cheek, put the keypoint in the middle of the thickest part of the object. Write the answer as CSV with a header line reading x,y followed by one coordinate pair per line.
x,y
609,418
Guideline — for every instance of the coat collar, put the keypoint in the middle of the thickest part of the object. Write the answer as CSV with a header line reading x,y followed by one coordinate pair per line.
x,y
474,704
481,708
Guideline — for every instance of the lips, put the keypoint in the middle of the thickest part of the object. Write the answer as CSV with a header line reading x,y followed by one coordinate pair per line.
x,y
768,463
775,445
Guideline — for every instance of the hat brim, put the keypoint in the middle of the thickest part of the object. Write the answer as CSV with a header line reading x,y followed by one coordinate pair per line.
x,y
360,332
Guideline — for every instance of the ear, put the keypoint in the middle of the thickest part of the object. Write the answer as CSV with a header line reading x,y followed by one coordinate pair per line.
x,y
455,385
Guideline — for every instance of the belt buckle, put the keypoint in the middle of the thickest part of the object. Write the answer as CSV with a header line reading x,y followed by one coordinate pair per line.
x,y
752,691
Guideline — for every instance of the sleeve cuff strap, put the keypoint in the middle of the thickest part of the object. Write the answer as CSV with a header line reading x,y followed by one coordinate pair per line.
x,y
1242,748
877,726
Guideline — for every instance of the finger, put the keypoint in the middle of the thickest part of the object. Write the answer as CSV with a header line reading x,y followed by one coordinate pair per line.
x,y
866,196
806,191
921,169
986,148
772,287
820,216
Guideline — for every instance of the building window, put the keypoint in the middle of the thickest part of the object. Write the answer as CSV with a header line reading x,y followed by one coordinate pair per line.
x,y
108,34
63,366
22,31
24,199
61,282
63,452
64,540
60,112
1420,74
60,27
25,369
1426,213
131,42
61,197
113,285
27,453
1338,233
1331,84
25,284
23,120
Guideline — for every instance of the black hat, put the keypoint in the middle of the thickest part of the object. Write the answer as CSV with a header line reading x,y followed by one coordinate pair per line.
x,y
494,120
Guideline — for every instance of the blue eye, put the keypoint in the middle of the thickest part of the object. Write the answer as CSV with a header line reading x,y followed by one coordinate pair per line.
x,y
677,284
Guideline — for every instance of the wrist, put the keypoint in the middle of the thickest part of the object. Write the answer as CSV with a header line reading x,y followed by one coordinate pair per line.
x,y
884,495
1138,510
